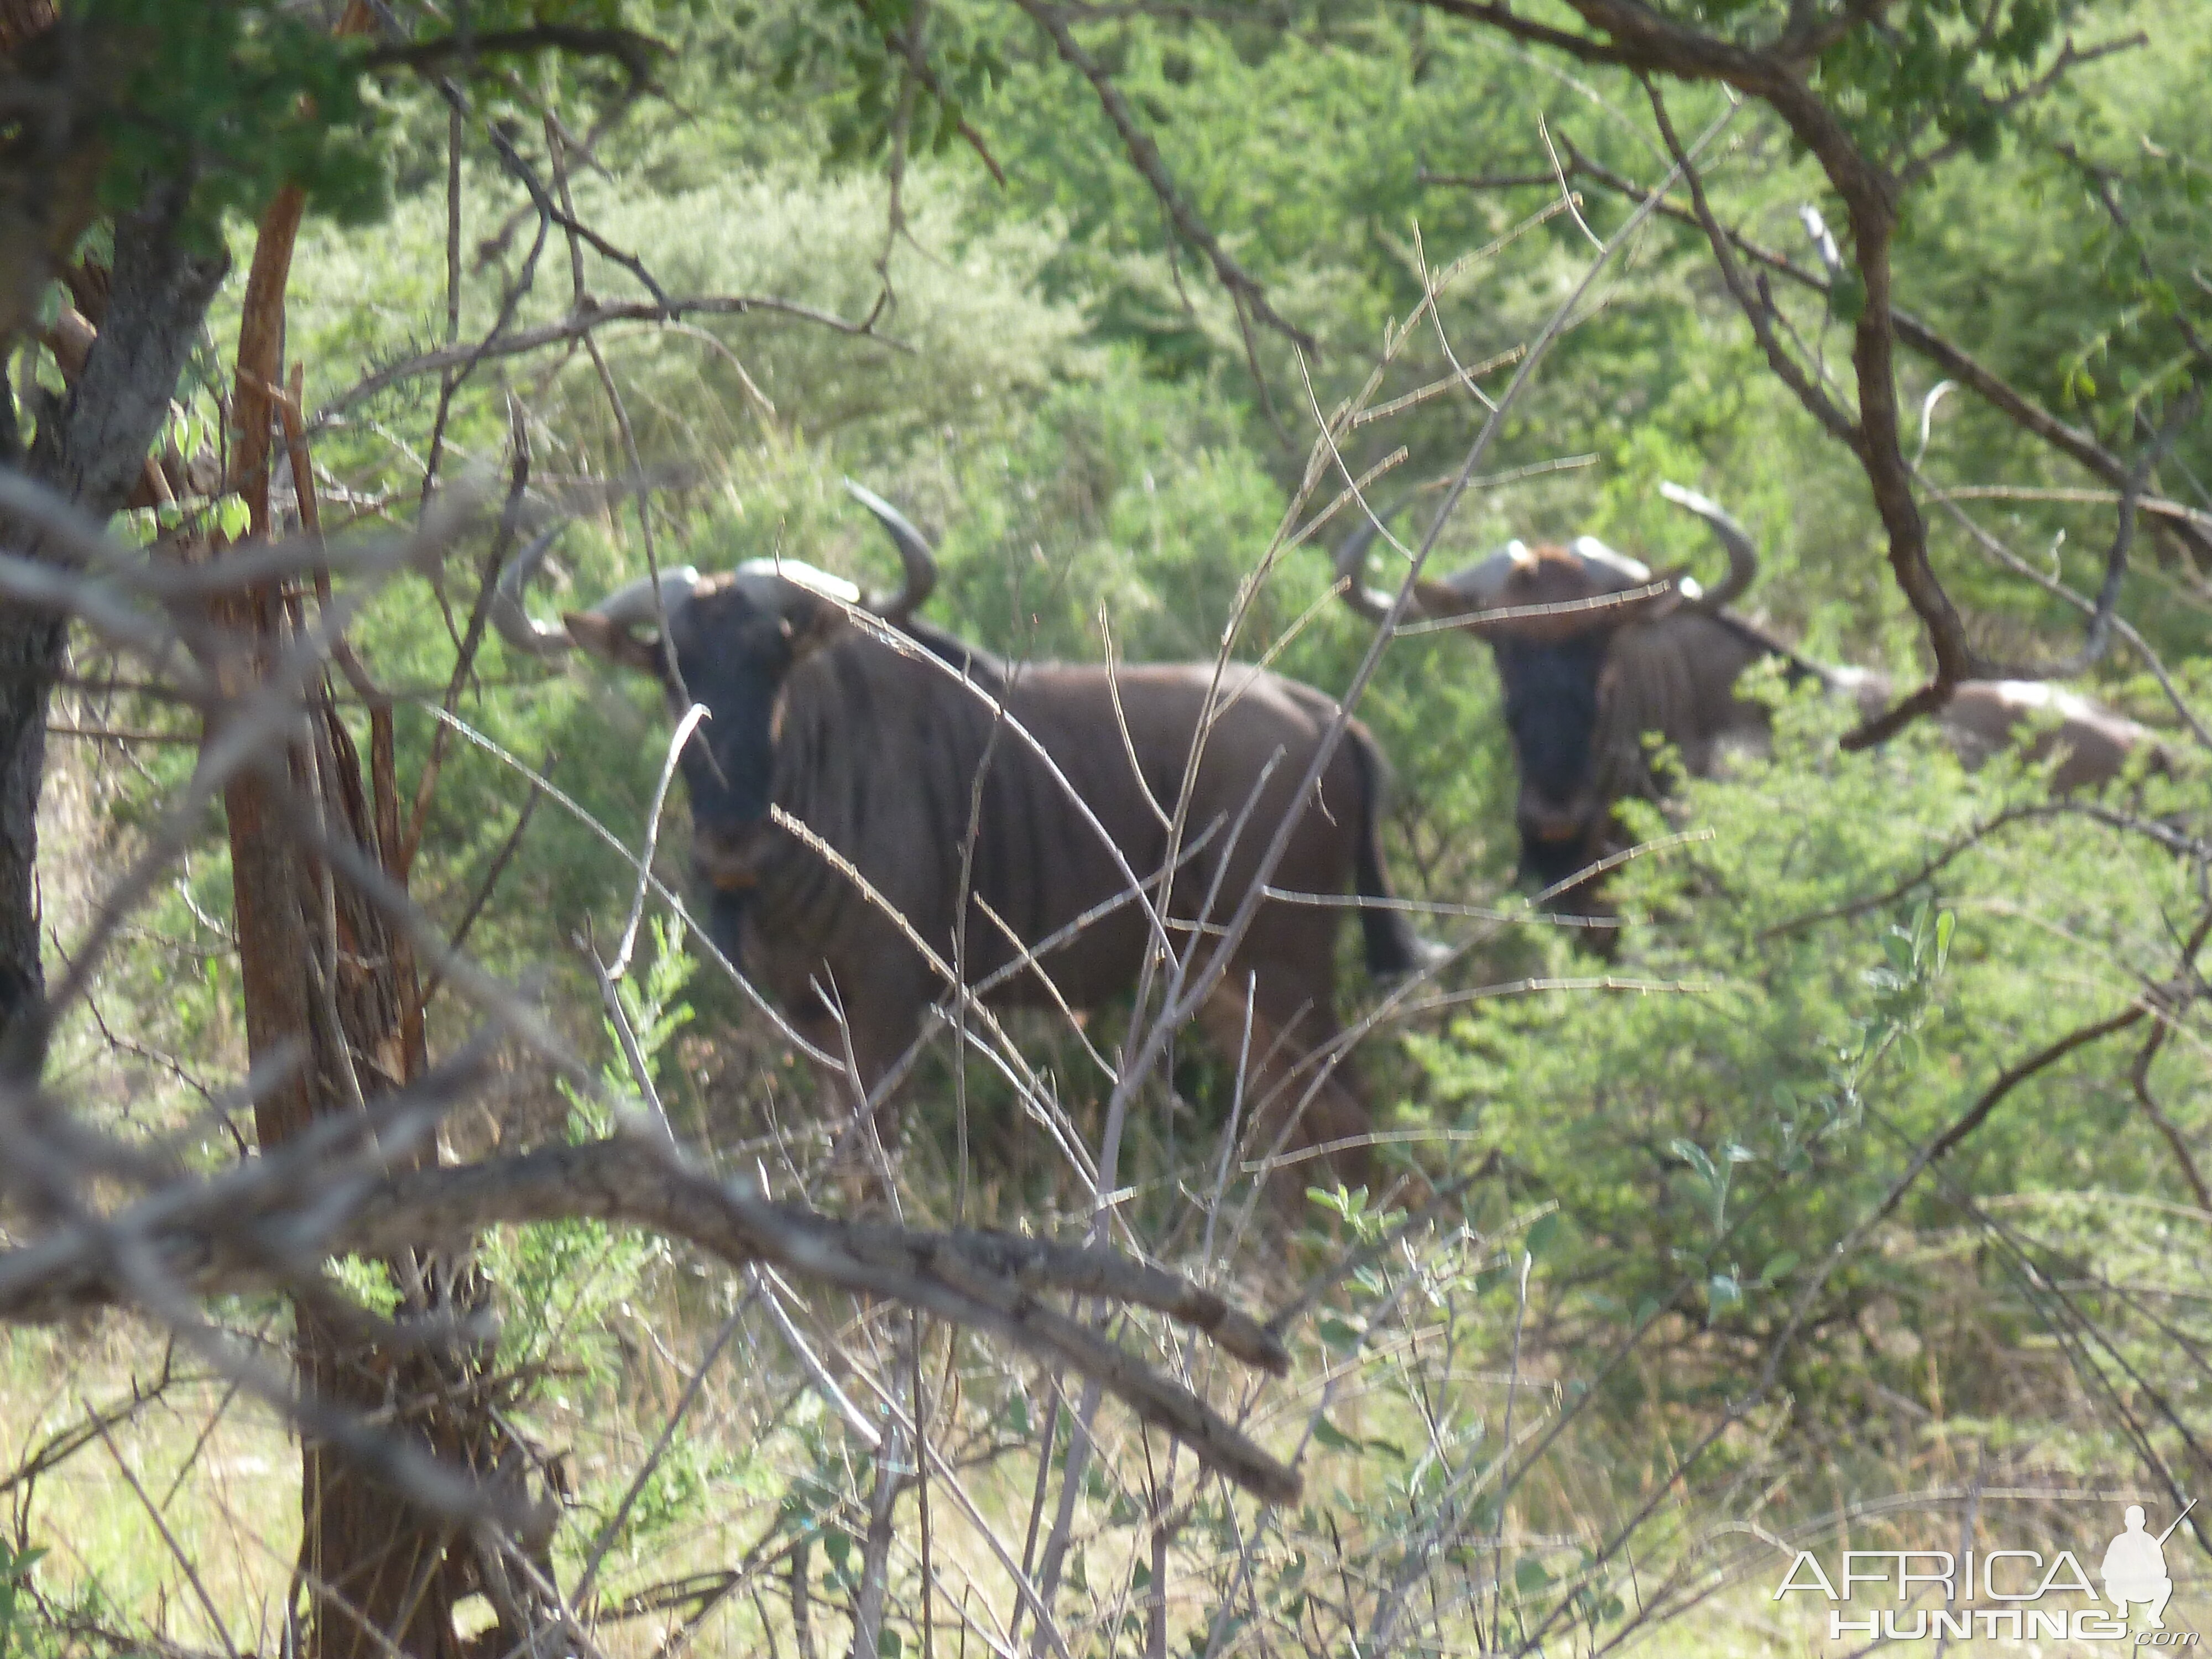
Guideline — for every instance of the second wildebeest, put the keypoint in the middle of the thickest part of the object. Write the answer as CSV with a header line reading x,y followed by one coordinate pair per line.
x,y
894,744
1597,656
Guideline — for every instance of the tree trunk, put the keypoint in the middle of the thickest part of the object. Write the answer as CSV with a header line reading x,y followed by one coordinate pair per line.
x,y
333,1019
90,447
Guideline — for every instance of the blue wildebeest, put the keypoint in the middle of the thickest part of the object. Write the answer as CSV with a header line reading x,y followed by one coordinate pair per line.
x,y
1596,655
885,739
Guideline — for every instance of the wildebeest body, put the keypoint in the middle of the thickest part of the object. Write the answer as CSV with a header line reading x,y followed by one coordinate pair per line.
x,y
1601,661
893,763
871,814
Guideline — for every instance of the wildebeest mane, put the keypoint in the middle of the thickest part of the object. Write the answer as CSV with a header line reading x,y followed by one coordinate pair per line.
x,y
980,666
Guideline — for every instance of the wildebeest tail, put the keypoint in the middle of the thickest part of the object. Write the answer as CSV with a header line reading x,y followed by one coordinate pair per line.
x,y
1393,947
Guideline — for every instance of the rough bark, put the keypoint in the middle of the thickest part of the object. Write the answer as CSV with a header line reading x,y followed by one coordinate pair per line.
x,y
329,986
90,447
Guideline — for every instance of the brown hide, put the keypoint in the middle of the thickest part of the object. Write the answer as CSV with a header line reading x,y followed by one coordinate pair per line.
x,y
1667,668
878,807
879,752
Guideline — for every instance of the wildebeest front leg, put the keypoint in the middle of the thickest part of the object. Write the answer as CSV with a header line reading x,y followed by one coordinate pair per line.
x,y
868,1024
1291,1083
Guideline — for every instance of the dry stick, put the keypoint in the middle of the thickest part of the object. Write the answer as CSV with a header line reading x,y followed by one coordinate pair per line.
x,y
2078,445
2139,1078
576,233
925,1410
1144,156
402,859
1460,375
1052,1411
771,1292
876,1546
2011,561
666,1438
485,888
660,1132
2157,506
383,743
162,1526
1025,1591
685,728
450,381
1381,1640
578,325
985,1282
2099,637
2026,812
1873,435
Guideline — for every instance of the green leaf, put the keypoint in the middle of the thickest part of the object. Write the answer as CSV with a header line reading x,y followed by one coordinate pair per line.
x,y
1334,1437
1777,1269
1544,1234
1693,1155
1341,1333
888,1643
1529,1575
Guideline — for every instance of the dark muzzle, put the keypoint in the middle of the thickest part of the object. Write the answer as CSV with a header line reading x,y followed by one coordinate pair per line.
x,y
728,859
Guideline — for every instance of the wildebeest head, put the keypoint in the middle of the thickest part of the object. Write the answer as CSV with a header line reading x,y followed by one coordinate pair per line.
x,y
1550,614
725,642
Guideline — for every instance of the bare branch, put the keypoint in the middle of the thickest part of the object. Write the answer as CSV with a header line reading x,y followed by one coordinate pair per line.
x,y
986,1281
1144,156
579,322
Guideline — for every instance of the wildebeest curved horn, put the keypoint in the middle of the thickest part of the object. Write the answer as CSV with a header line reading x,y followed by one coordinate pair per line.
x,y
1352,566
913,553
1743,557
514,622
1590,550
634,602
1482,587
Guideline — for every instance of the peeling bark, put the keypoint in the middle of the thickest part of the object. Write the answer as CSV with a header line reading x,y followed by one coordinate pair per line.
x,y
90,447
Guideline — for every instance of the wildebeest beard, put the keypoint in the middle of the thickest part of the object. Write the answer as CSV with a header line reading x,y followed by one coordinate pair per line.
x,y
1551,710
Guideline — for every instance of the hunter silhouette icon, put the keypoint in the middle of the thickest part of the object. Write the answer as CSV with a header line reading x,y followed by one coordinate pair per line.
x,y
2135,1567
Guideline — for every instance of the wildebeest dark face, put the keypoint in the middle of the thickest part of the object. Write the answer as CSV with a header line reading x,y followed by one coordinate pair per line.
x,y
1551,615
734,640
1551,710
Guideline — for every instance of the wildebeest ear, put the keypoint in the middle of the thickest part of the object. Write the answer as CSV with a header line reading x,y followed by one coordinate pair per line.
x,y
1441,601
613,642
812,626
